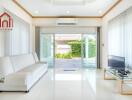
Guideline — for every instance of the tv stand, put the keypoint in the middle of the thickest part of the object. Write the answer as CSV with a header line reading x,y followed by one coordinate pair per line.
x,y
123,78
122,72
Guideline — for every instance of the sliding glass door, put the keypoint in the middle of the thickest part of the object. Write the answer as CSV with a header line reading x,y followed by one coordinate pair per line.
x,y
57,51
47,48
89,50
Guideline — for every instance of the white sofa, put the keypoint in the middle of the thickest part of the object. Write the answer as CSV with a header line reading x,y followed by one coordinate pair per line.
x,y
21,72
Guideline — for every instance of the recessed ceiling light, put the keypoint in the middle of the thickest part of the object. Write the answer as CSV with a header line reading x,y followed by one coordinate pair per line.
x,y
67,11
100,12
36,11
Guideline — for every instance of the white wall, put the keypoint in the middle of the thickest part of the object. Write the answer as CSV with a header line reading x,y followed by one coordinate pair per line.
x,y
10,6
1,43
80,21
68,30
121,7
1,39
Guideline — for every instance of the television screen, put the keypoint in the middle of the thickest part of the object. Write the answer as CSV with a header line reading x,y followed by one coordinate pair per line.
x,y
116,62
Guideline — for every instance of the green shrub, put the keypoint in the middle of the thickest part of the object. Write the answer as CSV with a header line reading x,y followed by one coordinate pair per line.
x,y
65,56
76,48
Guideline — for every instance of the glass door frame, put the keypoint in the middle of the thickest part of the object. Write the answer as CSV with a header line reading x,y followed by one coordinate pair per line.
x,y
82,50
53,46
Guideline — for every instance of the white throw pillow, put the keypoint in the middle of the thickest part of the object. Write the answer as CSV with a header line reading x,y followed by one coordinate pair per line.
x,y
21,61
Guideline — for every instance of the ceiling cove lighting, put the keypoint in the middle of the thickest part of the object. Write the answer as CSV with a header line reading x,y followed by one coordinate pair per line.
x,y
67,11
100,12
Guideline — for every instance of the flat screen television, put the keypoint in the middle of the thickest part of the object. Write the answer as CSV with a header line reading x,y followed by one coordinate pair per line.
x,y
116,62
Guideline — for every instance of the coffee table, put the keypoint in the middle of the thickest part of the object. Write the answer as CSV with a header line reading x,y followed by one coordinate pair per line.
x,y
123,81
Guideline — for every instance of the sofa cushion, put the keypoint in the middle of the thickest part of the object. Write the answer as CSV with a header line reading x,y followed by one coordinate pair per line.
x,y
21,61
18,78
35,68
6,67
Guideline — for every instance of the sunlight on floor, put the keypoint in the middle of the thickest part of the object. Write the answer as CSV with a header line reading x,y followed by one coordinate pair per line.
x,y
68,77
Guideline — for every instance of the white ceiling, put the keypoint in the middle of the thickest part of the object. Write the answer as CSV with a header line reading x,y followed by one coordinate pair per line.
x,y
67,7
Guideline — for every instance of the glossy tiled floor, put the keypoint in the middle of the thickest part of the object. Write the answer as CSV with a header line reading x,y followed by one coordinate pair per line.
x,y
77,85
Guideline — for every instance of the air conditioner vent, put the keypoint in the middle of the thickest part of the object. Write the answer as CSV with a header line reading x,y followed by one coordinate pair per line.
x,y
66,21
66,24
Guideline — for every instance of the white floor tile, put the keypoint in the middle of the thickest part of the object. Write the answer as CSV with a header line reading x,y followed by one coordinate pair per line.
x,y
57,84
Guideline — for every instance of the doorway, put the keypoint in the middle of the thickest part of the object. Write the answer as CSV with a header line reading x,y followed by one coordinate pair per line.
x,y
69,51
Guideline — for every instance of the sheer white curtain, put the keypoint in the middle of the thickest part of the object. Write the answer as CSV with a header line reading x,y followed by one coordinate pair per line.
x,y
17,40
115,37
120,36
128,37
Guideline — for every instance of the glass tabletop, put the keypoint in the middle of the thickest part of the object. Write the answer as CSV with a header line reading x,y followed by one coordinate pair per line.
x,y
117,74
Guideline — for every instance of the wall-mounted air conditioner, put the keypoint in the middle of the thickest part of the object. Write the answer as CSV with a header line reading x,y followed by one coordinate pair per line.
x,y
66,21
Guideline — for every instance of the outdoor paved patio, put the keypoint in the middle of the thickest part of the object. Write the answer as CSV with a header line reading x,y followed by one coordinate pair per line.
x,y
73,63
68,63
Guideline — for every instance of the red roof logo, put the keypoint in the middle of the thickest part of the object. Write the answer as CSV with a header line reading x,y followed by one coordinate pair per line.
x,y
6,21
